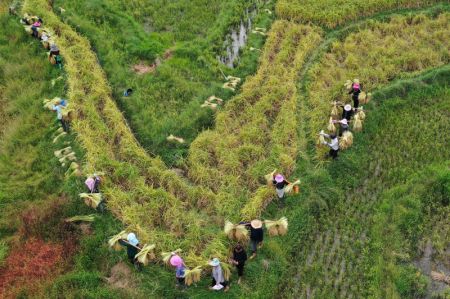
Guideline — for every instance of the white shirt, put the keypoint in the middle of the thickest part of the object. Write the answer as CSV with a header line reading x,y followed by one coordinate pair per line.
x,y
334,144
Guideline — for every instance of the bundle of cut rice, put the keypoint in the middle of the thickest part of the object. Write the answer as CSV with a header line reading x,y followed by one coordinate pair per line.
x,y
146,254
335,110
346,141
64,151
331,127
52,59
290,186
229,85
278,227
236,232
92,199
167,255
192,276
226,269
74,169
348,85
48,103
85,218
59,136
269,177
233,79
368,97
113,242
357,124
67,114
68,157
362,97
28,29
258,30
361,114
321,139
174,138
440,277
213,106
213,99
268,11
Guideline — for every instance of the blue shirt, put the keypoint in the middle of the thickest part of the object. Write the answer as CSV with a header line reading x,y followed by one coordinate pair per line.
x,y
179,273
58,110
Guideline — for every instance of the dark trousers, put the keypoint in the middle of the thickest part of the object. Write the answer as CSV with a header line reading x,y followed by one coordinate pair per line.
x,y
355,101
35,32
240,268
64,125
180,281
333,153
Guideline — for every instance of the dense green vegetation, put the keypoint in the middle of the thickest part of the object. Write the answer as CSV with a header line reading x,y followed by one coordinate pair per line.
x,y
167,100
358,228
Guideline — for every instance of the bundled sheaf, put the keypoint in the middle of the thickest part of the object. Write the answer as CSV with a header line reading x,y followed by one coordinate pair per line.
x,y
346,140
357,124
236,232
113,242
167,255
278,227
192,276
146,254
92,199
331,127
84,218
288,189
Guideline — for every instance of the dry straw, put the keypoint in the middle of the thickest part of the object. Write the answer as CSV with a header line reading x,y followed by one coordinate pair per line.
x,y
113,242
236,232
192,276
278,227
92,199
146,254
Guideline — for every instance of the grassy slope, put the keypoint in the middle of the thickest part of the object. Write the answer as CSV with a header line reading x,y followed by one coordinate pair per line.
x,y
168,101
382,158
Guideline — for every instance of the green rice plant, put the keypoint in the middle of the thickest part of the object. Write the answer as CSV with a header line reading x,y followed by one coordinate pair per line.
x,y
331,13
376,55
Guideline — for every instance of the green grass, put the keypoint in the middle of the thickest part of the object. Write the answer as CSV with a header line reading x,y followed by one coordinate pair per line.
x,y
167,101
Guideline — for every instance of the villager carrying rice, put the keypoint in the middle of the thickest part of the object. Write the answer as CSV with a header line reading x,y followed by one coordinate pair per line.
x,y
333,144
279,182
58,107
256,235
239,258
355,91
347,112
92,183
133,248
343,125
219,280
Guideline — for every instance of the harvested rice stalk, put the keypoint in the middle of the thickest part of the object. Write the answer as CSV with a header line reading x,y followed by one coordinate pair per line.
x,y
268,11
74,170
92,199
212,99
48,103
174,138
236,232
321,139
278,227
357,124
290,186
113,242
213,106
167,255
362,97
192,276
59,136
331,127
361,114
269,177
233,79
346,141
229,85
440,277
85,218
69,157
146,254
348,85
259,32
335,110
64,151
226,270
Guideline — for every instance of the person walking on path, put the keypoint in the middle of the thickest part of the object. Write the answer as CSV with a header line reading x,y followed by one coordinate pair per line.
x,y
355,91
239,259
59,115
347,113
92,183
256,236
334,144
343,125
133,248
280,182
218,279
180,269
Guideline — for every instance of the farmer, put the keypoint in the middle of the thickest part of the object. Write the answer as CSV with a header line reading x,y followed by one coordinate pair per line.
x,y
128,92
355,91
133,247
239,258
92,183
218,280
256,236
58,108
334,144
180,269
347,113
280,183
54,50
343,125
35,26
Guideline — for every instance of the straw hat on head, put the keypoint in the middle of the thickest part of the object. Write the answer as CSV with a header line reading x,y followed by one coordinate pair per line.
x,y
215,262
256,223
347,107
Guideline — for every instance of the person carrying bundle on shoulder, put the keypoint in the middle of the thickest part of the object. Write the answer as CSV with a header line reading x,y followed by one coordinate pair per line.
x,y
347,112
355,91
218,278
256,235
344,126
239,259
35,26
133,248
58,107
334,144
279,182
92,183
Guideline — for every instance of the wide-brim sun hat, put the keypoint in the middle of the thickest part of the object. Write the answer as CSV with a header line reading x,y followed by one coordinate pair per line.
x,y
344,121
279,178
256,223
176,260
215,262
347,107
131,238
